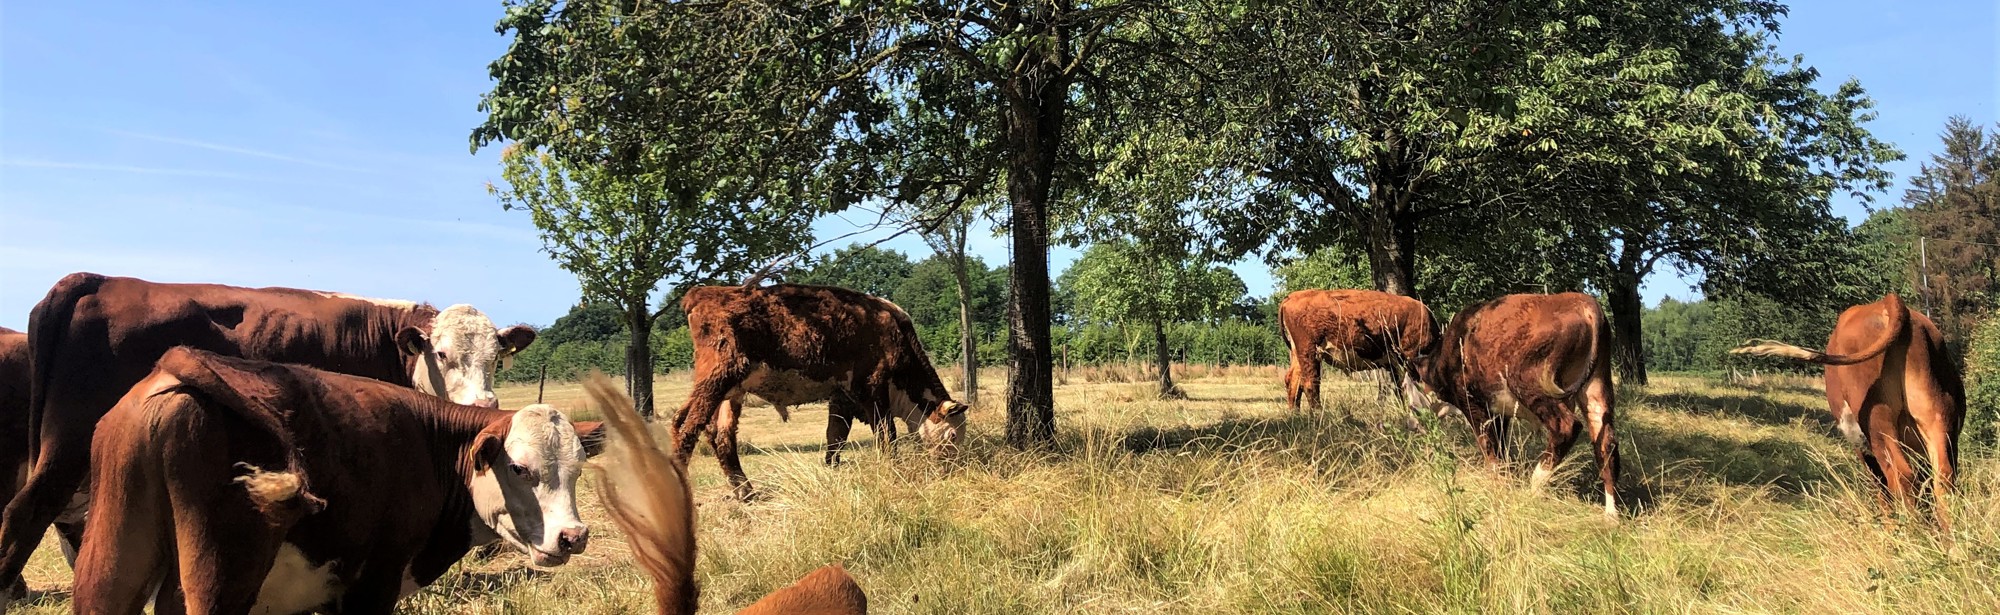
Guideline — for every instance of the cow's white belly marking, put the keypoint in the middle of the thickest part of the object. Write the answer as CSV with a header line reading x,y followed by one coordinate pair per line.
x,y
295,585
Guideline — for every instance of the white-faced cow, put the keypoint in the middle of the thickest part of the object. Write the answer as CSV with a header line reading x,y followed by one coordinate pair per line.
x,y
794,344
1352,330
1543,354
270,488
93,337
1891,386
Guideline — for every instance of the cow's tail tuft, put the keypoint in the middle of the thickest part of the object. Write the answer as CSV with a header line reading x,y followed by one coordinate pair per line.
x,y
648,496
1898,316
280,496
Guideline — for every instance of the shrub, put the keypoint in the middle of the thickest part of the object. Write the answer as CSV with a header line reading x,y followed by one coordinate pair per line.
x,y
1982,391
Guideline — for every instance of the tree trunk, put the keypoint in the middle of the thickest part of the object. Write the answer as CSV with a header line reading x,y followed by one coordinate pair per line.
x,y
1036,95
639,357
1164,361
1392,256
1627,308
968,343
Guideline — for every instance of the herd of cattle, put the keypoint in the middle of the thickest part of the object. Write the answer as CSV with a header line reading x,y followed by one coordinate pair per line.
x,y
212,449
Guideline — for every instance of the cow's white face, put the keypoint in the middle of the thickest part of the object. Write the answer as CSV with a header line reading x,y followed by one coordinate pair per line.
x,y
944,427
458,358
524,484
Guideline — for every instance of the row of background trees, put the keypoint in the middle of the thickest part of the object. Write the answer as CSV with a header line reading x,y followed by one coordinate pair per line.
x,y
1448,150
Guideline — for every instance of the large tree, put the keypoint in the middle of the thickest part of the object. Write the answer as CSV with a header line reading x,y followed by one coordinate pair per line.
x,y
1955,208
1120,282
642,160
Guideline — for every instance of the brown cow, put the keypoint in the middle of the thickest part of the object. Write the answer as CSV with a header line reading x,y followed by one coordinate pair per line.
x,y
93,337
647,494
1544,353
1352,330
793,344
271,488
1890,384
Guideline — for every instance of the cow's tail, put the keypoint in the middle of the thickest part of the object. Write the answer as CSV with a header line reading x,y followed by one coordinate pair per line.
x,y
1892,308
48,323
1600,330
648,496
281,494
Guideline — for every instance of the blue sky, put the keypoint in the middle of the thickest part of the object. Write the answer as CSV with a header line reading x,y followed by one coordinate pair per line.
x,y
323,145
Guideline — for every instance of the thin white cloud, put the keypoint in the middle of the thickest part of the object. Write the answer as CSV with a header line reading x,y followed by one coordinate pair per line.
x,y
231,149
117,168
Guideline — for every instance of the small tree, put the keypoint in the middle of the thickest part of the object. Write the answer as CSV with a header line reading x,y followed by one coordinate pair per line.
x,y
1119,281
624,235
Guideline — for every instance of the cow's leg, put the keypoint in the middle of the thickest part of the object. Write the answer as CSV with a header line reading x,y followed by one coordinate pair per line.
x,y
1897,475
59,470
722,438
129,554
1599,410
709,392
70,536
1561,428
1937,429
1308,379
840,413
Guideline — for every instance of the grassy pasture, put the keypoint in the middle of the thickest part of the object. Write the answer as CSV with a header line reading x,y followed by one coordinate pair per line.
x,y
1227,503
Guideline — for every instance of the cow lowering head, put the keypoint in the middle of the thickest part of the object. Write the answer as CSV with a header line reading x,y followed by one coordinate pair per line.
x,y
944,427
457,358
524,471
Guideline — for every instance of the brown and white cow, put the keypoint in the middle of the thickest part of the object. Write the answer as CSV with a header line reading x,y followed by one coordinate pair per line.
x,y
1352,330
1545,354
94,336
271,488
1891,385
794,344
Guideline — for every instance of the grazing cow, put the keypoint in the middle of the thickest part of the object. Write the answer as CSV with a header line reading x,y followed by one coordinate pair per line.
x,y
1890,385
793,344
93,337
271,488
647,494
1352,330
1543,353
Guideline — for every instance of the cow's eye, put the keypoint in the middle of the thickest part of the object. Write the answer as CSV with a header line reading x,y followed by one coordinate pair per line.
x,y
519,470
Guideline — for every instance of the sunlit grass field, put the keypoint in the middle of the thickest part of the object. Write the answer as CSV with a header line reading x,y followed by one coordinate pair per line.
x,y
1738,499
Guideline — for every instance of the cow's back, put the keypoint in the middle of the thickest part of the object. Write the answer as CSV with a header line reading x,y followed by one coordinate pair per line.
x,y
820,331
1528,343
1359,320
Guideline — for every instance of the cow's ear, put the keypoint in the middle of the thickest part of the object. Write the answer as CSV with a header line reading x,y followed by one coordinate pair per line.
x,y
411,341
486,449
516,338
592,433
951,408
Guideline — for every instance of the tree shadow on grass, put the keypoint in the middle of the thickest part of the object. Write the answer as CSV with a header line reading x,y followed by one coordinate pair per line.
x,y
1745,405
1238,433
480,582
1685,458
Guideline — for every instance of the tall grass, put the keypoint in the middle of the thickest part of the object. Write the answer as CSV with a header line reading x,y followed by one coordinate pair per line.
x,y
1738,500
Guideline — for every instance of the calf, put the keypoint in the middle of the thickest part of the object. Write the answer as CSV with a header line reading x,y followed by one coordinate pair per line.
x,y
646,493
1544,353
1891,385
268,488
93,337
792,344
1352,330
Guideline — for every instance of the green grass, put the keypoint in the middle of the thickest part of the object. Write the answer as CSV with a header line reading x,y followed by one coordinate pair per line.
x,y
1228,503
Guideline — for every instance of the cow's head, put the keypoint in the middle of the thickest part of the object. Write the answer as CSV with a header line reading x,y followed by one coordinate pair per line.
x,y
457,358
944,426
523,482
